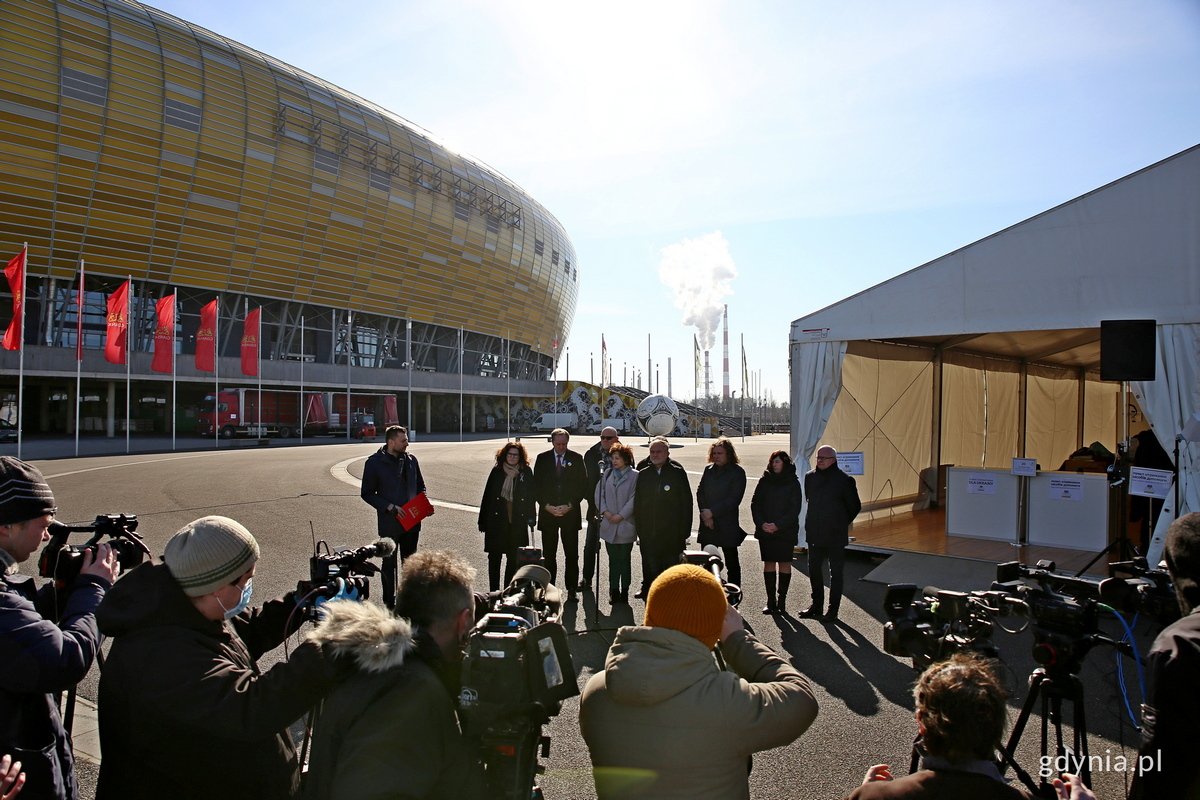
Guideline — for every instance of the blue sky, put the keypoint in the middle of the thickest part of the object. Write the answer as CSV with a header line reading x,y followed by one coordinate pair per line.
x,y
788,153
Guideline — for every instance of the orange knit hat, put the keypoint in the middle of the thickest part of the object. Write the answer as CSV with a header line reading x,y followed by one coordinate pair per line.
x,y
688,599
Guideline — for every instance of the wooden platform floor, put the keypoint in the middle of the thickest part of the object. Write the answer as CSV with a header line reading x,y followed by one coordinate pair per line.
x,y
925,532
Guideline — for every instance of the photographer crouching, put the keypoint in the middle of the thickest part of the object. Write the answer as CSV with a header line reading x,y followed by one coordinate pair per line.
x,y
184,710
391,729
44,649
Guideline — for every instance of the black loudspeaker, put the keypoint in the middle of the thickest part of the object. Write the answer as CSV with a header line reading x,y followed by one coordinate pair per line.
x,y
1127,350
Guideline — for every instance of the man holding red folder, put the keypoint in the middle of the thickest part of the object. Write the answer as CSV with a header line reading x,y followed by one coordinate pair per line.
x,y
392,483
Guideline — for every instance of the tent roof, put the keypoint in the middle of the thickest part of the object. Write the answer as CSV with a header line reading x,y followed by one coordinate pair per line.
x,y
1039,289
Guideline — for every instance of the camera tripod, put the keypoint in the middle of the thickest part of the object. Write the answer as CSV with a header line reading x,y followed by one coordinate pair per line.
x,y
1051,688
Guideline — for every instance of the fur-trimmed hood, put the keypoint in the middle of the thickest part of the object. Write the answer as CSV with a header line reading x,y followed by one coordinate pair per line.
x,y
368,633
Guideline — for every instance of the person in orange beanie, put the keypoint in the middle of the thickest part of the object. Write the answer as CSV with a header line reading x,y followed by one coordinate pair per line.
x,y
663,720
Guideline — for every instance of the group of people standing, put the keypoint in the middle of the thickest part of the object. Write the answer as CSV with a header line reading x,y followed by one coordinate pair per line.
x,y
649,503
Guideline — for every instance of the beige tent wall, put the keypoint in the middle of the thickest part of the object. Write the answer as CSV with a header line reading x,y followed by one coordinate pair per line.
x,y
884,410
1052,415
980,410
1101,404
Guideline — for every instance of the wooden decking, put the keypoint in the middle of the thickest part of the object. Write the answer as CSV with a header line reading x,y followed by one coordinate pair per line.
x,y
925,532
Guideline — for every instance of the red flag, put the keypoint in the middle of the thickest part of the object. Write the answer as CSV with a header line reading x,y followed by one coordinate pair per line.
x,y
206,338
118,325
250,343
15,272
79,317
164,335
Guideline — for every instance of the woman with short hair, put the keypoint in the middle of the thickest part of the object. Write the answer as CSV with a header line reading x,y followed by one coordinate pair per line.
x,y
614,499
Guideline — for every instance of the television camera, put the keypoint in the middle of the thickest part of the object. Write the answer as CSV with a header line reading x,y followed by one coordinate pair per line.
x,y
516,672
62,561
342,572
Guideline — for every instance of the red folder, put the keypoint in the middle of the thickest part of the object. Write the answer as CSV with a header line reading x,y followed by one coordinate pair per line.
x,y
416,510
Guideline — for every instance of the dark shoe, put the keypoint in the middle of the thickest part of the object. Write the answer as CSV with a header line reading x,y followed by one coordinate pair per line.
x,y
640,594
621,599
572,597
584,585
830,616
770,608
812,612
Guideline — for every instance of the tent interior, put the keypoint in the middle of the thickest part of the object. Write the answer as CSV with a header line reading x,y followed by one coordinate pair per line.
x,y
992,352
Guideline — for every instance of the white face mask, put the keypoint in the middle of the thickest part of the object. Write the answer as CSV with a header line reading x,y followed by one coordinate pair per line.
x,y
247,590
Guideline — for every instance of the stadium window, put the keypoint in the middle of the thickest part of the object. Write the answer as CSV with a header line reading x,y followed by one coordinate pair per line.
x,y
82,86
325,160
539,247
554,257
462,211
381,179
493,224
183,115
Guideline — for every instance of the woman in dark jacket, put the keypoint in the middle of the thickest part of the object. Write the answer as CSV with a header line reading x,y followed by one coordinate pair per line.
x,y
721,489
506,511
776,511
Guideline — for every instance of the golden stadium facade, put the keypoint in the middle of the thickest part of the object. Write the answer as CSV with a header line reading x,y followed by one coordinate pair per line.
x,y
151,148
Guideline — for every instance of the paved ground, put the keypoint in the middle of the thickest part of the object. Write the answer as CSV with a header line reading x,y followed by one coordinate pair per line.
x,y
289,495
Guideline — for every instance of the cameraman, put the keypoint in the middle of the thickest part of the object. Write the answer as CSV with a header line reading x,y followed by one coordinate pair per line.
x,y
391,731
961,714
662,720
1171,716
184,710
44,649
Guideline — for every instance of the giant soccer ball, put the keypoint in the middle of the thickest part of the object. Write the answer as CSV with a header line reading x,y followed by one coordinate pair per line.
x,y
657,415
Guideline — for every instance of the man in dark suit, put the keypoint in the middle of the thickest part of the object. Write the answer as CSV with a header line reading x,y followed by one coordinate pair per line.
x,y
560,482
832,506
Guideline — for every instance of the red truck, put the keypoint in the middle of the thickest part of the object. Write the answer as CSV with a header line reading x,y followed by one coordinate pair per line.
x,y
285,414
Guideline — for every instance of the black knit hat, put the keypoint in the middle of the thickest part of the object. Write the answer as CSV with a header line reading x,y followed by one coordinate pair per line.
x,y
24,493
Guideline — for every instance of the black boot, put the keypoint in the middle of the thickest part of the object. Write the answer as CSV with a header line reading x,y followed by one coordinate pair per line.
x,y
769,579
785,580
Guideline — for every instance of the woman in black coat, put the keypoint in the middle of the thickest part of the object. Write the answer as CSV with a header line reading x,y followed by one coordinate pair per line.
x,y
720,493
776,511
506,511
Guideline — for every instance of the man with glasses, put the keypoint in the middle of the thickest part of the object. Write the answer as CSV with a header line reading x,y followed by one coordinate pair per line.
x,y
181,690
832,506
595,463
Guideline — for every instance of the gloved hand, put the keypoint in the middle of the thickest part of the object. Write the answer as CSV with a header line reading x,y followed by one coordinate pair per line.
x,y
344,592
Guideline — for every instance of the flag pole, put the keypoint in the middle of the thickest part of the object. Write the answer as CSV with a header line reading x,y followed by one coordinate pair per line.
x,y
303,407
24,344
78,353
128,354
461,357
174,400
217,372
349,339
258,367
508,388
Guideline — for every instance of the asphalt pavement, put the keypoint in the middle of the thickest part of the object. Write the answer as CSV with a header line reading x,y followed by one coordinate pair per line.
x,y
293,495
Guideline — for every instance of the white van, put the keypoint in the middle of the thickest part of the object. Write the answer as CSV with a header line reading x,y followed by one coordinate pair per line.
x,y
549,421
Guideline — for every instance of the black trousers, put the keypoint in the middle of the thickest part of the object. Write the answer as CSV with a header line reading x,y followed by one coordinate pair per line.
x,y
656,559
570,543
817,556
591,550
406,545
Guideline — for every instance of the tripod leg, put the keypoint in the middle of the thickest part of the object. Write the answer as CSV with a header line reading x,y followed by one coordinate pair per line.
x,y
1081,742
1008,755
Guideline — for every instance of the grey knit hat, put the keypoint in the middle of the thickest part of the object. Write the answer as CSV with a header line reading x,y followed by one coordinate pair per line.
x,y
209,553
24,493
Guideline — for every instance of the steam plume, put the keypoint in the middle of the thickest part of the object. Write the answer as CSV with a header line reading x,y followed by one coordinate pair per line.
x,y
700,272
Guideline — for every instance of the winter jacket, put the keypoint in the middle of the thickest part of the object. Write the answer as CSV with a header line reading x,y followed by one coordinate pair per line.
x,y
777,499
39,658
596,462
663,712
390,730
555,489
614,493
662,506
391,480
184,711
1171,716
721,491
832,505
502,532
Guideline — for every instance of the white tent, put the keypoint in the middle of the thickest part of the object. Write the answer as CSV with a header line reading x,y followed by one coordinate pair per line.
x,y
993,351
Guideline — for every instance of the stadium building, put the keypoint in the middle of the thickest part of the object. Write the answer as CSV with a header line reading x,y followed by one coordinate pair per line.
x,y
150,149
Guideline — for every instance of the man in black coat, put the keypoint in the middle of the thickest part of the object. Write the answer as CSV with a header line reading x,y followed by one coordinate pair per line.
x,y
595,462
392,477
1167,765
560,482
832,506
662,512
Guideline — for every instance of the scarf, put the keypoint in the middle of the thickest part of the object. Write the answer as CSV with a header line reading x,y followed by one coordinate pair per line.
x,y
510,475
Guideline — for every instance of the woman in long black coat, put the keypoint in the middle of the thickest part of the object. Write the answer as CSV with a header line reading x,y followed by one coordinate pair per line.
x,y
719,495
506,511
776,511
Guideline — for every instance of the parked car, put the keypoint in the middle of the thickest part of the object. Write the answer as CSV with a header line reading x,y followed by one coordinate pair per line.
x,y
8,431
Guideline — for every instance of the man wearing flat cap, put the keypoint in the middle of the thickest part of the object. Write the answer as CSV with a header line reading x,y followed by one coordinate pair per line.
x,y
44,649
662,720
184,710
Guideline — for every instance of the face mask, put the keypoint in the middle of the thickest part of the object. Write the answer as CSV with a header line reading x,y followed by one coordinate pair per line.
x,y
230,613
